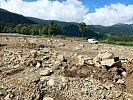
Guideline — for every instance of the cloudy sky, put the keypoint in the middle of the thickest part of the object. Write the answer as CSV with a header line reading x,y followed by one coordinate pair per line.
x,y
96,12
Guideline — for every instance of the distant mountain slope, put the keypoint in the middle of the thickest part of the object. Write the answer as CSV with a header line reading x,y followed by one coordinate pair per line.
x,y
7,17
69,28
117,29
41,21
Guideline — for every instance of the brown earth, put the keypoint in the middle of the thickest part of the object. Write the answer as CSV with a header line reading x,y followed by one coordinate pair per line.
x,y
20,77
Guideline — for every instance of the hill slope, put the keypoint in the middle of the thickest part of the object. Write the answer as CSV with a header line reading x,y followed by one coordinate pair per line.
x,y
7,17
117,29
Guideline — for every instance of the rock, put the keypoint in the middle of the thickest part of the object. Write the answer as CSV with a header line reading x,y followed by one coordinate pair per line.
x,y
118,94
80,60
48,98
77,48
7,97
120,81
45,72
38,64
1,93
61,45
60,57
65,79
124,74
16,66
49,40
108,85
57,63
51,82
95,47
46,50
33,53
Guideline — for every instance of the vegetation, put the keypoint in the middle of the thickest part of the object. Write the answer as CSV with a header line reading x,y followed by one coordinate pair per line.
x,y
120,40
83,28
14,23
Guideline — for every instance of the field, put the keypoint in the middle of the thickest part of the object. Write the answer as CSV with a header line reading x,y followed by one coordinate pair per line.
x,y
51,68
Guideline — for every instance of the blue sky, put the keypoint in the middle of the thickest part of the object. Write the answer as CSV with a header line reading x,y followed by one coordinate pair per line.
x,y
92,12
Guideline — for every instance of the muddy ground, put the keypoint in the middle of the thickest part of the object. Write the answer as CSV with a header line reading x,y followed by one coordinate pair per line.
x,y
47,68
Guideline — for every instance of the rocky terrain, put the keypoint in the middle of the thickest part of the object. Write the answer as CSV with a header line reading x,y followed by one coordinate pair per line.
x,y
38,68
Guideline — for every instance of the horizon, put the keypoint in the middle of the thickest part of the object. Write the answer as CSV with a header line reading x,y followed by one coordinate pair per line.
x,y
106,12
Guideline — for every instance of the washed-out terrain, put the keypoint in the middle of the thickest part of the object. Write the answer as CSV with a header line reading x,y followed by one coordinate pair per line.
x,y
40,68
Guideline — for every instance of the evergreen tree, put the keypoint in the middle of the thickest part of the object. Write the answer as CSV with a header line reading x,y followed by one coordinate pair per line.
x,y
82,28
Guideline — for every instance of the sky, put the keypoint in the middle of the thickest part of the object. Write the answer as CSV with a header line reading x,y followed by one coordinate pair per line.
x,y
92,12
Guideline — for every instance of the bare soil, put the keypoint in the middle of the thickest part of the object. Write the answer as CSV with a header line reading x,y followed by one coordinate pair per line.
x,y
19,80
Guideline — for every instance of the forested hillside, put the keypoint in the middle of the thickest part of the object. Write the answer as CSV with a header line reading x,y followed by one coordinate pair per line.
x,y
7,17
12,23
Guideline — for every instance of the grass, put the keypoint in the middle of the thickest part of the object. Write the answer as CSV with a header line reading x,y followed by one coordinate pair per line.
x,y
118,43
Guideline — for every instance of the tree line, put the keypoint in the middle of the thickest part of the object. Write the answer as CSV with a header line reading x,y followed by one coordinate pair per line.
x,y
52,29
124,38
34,29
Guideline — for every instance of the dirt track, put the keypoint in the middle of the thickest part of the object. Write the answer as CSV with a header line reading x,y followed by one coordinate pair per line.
x,y
37,68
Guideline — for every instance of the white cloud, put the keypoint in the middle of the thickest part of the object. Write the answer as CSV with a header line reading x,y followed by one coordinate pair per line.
x,y
109,15
71,10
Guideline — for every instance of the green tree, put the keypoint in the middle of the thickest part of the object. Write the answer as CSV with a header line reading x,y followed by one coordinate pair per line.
x,y
25,30
51,29
83,28
43,30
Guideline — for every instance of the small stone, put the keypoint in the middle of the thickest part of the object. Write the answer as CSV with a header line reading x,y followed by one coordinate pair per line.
x,y
48,98
124,74
61,45
77,48
118,94
38,64
51,82
108,86
33,52
45,72
46,50
7,97
120,81
1,93
60,58
49,40
16,66
64,79
45,58
57,63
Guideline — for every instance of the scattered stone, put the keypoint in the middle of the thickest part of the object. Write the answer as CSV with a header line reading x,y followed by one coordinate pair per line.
x,y
45,72
60,58
124,74
51,82
65,79
8,97
48,98
77,48
61,45
120,81
38,64
1,93
80,60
